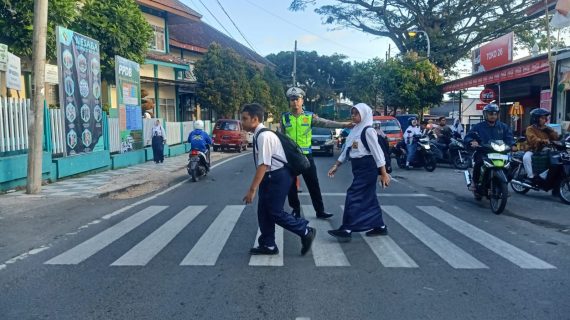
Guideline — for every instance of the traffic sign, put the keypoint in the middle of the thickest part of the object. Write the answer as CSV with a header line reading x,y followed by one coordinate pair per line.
x,y
487,96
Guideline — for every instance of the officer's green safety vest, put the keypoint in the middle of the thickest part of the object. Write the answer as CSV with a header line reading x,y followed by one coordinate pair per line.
x,y
299,129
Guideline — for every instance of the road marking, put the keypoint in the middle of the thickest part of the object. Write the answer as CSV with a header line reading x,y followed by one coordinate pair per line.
x,y
90,247
269,261
448,251
388,252
384,195
144,251
210,245
500,247
327,252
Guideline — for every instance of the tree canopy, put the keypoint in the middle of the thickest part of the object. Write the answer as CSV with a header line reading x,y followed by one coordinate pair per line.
x,y
454,26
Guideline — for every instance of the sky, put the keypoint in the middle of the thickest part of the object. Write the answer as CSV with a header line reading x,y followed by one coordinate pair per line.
x,y
270,27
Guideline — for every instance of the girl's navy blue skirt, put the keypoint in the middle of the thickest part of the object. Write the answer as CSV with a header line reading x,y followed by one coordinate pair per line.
x,y
361,209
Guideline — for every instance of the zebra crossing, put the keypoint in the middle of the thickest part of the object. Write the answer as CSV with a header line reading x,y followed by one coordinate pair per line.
x,y
326,251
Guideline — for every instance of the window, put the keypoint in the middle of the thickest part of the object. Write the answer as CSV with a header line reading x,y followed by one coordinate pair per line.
x,y
157,42
321,131
167,109
389,126
227,125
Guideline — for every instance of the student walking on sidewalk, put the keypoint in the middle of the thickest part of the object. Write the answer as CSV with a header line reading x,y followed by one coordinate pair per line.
x,y
158,139
362,211
273,179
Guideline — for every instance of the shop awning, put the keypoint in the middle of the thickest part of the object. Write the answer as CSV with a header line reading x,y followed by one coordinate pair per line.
x,y
514,71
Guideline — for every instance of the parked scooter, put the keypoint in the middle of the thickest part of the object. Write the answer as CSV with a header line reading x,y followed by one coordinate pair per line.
x,y
454,154
556,178
198,164
424,155
493,182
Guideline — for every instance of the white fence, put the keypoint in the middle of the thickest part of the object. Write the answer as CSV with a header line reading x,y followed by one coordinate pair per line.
x,y
13,124
187,127
114,135
57,131
173,134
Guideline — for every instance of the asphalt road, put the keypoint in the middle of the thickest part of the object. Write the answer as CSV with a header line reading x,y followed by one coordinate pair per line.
x,y
184,255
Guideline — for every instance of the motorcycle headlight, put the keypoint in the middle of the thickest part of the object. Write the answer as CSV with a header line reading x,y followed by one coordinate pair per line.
x,y
427,146
499,147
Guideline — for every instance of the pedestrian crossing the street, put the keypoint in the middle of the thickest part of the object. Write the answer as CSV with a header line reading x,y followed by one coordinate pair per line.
x,y
392,251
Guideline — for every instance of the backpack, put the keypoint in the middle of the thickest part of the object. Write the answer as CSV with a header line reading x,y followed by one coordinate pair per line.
x,y
297,162
383,145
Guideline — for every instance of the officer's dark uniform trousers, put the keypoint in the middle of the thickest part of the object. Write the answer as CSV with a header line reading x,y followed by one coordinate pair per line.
x,y
312,182
272,192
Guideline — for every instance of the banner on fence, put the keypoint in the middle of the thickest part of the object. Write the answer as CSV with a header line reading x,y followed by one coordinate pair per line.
x,y
78,60
127,76
14,72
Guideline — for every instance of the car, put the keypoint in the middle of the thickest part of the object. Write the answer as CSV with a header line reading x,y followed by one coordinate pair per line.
x,y
250,139
391,128
229,134
322,141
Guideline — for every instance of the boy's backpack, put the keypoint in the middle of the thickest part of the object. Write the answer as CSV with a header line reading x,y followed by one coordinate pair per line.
x,y
297,162
383,144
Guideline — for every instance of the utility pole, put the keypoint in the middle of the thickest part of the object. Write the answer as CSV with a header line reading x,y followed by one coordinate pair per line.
x,y
294,74
36,118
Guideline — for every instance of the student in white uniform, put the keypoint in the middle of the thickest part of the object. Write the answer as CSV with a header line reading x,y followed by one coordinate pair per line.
x,y
362,211
273,179
158,139
411,146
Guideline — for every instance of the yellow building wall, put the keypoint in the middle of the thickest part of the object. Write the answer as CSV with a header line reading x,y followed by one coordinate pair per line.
x,y
166,92
166,73
147,70
154,20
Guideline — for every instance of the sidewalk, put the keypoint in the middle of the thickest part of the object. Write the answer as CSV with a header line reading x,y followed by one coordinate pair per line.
x,y
133,181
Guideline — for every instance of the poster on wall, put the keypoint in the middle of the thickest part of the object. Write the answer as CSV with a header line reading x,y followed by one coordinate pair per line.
x,y
79,72
14,73
127,75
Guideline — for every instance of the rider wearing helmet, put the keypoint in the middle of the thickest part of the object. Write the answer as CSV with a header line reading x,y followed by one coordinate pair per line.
x,y
411,146
538,136
482,133
199,139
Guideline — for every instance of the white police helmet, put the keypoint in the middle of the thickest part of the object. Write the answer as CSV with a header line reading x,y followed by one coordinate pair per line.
x,y
295,92
199,124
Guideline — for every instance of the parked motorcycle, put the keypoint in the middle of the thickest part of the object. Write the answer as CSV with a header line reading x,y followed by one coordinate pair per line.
x,y
556,178
198,164
424,154
454,154
493,183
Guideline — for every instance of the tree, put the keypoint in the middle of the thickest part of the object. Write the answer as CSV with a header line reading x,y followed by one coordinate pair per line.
x,y
365,83
276,92
322,77
16,24
224,81
454,26
120,28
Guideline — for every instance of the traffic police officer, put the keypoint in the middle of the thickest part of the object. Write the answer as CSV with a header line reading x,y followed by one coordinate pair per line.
x,y
297,124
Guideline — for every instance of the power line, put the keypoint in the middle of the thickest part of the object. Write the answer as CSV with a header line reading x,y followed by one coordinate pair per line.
x,y
218,21
304,29
227,15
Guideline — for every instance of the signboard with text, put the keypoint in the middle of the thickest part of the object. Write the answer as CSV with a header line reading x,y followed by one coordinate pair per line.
x,y
3,57
14,73
494,54
127,75
78,61
487,95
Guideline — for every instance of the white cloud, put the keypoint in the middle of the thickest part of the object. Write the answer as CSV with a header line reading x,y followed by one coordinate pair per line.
x,y
308,39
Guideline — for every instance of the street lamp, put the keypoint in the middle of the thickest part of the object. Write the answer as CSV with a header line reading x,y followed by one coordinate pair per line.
x,y
414,32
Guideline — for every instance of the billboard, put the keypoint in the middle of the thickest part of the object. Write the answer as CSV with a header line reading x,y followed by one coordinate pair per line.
x,y
127,76
494,54
78,61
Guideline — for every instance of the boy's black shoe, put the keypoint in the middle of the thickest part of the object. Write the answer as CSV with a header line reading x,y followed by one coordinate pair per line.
x,y
341,234
307,240
263,250
377,232
324,215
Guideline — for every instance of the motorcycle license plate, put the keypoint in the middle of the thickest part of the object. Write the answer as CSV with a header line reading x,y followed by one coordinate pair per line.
x,y
498,156
315,147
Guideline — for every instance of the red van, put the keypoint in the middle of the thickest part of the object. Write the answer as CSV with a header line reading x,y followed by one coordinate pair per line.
x,y
229,134
391,128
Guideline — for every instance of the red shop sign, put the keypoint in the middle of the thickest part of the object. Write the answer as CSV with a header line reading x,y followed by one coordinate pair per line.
x,y
487,96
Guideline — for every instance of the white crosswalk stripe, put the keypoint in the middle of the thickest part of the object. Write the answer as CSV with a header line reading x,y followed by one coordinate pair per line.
x,y
500,247
208,248
273,260
145,250
327,252
452,254
90,247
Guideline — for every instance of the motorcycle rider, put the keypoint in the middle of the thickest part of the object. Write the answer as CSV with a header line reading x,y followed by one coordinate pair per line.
x,y
411,145
200,140
490,129
538,136
443,133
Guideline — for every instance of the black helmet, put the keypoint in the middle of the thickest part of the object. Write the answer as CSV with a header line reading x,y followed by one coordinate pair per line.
x,y
490,108
537,113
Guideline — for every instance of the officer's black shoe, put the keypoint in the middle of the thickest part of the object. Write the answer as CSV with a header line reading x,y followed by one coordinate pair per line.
x,y
296,213
324,215
341,234
377,232
263,250
307,240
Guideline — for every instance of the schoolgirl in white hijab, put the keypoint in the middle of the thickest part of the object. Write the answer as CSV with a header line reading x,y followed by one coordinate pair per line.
x,y
362,211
